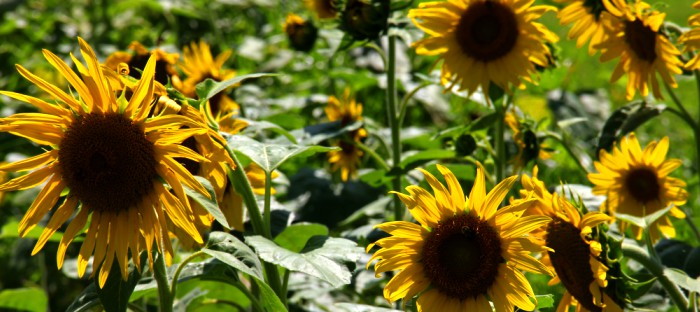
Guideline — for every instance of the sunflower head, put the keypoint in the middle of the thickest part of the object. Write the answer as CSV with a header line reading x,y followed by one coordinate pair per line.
x,y
117,162
483,42
525,138
691,39
464,251
136,59
302,34
634,35
199,64
347,111
324,9
637,182
364,19
585,15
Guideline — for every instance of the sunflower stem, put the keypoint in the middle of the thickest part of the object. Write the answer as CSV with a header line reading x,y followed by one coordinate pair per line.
x,y
268,199
176,276
638,254
161,277
499,141
393,122
242,185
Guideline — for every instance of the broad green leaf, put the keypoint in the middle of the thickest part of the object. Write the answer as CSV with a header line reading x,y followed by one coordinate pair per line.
x,y
11,230
624,120
423,157
268,299
210,204
23,299
683,280
295,236
255,126
322,257
318,133
544,301
643,222
240,254
209,88
269,156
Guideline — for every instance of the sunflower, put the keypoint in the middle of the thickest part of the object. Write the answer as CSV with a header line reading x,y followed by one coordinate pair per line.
x,y
635,37
347,111
484,41
636,182
585,15
301,33
463,252
137,58
116,163
324,9
691,39
529,147
571,251
199,65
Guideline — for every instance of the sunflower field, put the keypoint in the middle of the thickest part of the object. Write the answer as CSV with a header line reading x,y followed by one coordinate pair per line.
x,y
350,155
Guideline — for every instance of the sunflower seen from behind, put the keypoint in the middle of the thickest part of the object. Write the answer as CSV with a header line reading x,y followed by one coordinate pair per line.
x,y
585,15
463,252
301,33
117,164
637,182
199,64
346,110
635,36
483,42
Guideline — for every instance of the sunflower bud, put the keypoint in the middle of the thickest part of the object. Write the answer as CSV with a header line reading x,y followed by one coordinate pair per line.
x,y
364,19
302,34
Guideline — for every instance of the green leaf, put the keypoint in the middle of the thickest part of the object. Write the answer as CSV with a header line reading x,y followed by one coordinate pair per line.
x,y
624,120
210,204
269,156
268,299
24,299
322,257
240,256
423,157
209,88
643,222
318,133
484,121
255,126
11,230
544,301
681,279
295,236
115,294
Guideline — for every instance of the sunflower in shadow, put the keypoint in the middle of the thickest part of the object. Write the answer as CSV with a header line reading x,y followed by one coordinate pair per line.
x,y
483,42
463,252
117,165
199,64
347,111
137,57
585,15
637,182
573,250
635,37
529,146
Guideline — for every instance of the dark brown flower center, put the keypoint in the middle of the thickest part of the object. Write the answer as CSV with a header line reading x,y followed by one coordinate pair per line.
x,y
139,61
487,30
107,162
595,7
571,260
643,184
641,39
461,257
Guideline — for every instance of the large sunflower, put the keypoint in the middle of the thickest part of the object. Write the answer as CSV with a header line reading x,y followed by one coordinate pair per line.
x,y
691,39
572,252
636,182
138,56
117,164
199,65
585,15
635,37
462,253
484,41
347,111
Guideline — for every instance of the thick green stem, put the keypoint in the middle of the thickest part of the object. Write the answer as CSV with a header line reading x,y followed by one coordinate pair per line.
x,y
161,276
638,254
273,274
499,141
176,276
268,200
393,122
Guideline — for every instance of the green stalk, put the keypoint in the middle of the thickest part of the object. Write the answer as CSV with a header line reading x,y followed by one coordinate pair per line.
x,y
268,200
161,276
638,254
273,274
499,141
176,276
394,122
372,154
